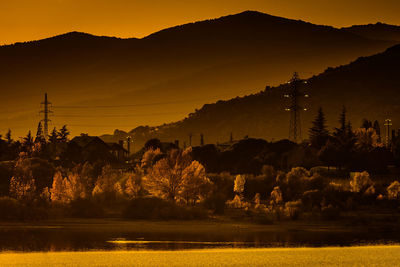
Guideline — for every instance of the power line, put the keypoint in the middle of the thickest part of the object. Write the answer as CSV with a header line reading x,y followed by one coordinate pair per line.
x,y
117,115
144,104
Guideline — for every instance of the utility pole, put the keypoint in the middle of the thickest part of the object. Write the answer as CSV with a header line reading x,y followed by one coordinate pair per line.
x,y
129,145
388,123
46,112
295,95
190,139
201,140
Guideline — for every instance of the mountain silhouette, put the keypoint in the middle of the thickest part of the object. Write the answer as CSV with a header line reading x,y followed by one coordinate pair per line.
x,y
378,31
368,87
181,68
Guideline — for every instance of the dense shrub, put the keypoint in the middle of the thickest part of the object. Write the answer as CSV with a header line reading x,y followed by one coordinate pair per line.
x,y
293,209
215,203
155,208
360,182
330,213
12,209
394,190
85,208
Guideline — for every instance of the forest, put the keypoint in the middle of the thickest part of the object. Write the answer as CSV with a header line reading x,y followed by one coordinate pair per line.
x,y
329,176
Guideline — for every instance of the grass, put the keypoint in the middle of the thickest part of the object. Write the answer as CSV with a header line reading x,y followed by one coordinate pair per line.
x,y
333,256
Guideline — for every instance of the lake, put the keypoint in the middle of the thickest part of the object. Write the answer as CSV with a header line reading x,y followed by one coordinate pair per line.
x,y
118,235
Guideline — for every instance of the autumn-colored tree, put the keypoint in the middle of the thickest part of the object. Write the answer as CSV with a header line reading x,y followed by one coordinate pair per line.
x,y
361,182
172,177
276,196
367,139
22,184
57,191
133,185
238,187
195,184
394,190
108,187
65,190
149,157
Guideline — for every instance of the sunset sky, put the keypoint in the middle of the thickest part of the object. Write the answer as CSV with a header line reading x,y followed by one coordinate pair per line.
x,y
23,20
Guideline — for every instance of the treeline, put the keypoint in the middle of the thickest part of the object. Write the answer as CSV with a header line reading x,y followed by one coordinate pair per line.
x,y
172,185
249,179
344,149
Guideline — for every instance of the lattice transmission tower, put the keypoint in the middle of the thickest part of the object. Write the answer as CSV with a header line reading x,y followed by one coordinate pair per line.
x,y
295,95
46,113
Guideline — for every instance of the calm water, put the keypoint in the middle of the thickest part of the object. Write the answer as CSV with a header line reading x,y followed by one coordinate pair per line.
x,y
83,237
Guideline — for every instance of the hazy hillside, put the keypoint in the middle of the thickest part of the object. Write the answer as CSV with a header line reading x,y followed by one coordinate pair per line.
x,y
163,76
368,87
378,31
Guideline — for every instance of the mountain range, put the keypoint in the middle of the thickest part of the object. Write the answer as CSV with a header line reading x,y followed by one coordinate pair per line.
x,y
97,84
368,88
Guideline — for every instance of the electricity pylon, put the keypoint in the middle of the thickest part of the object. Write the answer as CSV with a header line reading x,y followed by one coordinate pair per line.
x,y
295,95
46,112
388,123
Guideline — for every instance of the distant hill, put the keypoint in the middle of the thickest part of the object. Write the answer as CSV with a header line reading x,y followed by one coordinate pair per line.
x,y
378,31
368,87
179,68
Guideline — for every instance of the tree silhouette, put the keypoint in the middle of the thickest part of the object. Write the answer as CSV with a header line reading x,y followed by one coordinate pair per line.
x,y
366,124
63,134
39,134
53,138
28,142
8,137
377,130
318,132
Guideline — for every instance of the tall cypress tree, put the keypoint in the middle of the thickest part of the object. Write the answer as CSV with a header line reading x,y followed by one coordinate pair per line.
x,y
8,137
341,131
39,134
318,132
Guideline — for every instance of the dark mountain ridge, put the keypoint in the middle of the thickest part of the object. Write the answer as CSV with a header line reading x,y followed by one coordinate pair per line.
x,y
368,87
223,57
377,31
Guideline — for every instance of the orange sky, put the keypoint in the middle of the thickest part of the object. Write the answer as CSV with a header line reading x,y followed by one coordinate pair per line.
x,y
22,20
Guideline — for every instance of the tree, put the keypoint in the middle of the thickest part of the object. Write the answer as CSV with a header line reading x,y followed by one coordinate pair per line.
x,y
342,122
171,177
57,191
366,124
133,185
366,139
276,197
22,184
318,132
28,142
53,138
344,140
394,190
196,184
107,187
378,130
360,182
150,157
238,187
8,137
39,134
63,134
